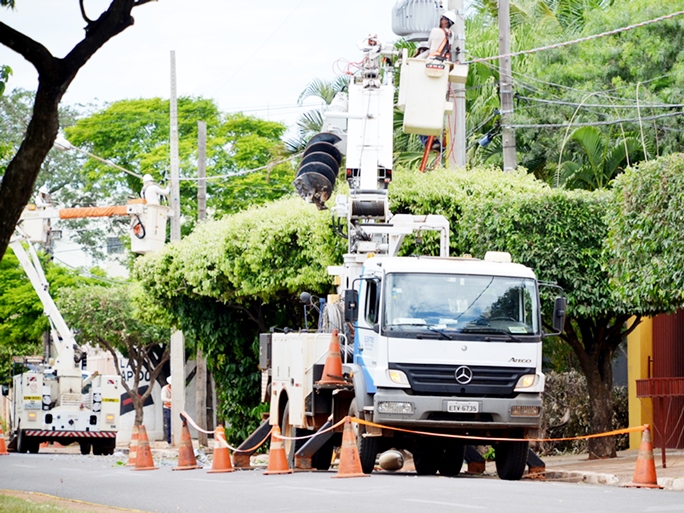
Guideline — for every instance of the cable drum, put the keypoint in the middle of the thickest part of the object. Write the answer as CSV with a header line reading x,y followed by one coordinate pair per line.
x,y
365,208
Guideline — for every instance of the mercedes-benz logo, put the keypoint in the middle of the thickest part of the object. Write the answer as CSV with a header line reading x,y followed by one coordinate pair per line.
x,y
463,375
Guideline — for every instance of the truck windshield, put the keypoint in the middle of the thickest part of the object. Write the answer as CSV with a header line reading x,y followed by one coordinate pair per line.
x,y
441,304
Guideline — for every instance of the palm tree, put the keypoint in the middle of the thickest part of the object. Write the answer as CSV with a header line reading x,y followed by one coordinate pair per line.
x,y
311,122
602,158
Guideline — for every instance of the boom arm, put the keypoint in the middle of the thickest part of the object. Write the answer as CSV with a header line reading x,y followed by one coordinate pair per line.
x,y
63,339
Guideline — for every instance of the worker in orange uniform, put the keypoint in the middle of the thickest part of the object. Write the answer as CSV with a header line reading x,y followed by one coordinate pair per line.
x,y
166,403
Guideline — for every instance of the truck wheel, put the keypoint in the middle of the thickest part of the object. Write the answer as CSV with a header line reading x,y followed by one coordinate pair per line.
x,y
511,459
287,429
23,442
368,447
33,445
108,447
451,460
427,455
85,447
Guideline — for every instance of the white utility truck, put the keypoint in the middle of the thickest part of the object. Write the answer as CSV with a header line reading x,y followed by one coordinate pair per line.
x,y
439,345
53,399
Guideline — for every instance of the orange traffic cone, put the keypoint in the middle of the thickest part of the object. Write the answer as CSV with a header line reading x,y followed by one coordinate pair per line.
x,y
221,461
350,461
3,445
332,370
277,459
186,454
645,472
143,456
133,447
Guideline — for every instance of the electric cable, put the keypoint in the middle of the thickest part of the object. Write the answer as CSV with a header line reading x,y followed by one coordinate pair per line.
x,y
579,40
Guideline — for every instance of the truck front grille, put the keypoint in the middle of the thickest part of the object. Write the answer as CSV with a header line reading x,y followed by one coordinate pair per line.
x,y
429,379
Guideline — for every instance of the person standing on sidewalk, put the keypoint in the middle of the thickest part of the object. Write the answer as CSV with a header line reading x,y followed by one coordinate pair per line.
x,y
166,403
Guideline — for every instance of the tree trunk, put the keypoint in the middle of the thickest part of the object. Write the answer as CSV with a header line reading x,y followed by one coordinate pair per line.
x,y
601,412
594,341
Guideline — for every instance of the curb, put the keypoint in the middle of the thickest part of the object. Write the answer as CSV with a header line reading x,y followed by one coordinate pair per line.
x,y
597,478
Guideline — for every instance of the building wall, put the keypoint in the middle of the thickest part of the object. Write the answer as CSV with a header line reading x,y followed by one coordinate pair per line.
x,y
639,349
668,362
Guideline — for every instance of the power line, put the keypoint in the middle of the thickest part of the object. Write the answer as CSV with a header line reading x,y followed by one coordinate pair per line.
x,y
579,40
597,123
606,106
244,172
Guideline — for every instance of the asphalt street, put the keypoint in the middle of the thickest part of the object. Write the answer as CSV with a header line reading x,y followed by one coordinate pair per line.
x,y
103,480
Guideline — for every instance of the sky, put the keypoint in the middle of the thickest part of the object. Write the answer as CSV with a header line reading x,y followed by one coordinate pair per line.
x,y
255,57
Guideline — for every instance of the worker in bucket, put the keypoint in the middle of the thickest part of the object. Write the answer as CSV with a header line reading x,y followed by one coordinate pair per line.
x,y
43,198
151,191
166,403
439,41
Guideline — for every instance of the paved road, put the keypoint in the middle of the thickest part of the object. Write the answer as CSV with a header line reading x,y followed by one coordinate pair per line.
x,y
101,480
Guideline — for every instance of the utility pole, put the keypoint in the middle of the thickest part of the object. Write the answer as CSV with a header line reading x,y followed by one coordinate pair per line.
x,y
201,362
177,338
506,87
457,119
201,170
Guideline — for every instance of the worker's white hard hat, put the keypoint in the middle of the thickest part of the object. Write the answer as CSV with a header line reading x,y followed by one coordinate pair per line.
x,y
168,380
148,178
43,190
449,15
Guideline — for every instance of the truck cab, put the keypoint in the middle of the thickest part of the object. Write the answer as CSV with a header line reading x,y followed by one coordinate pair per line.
x,y
451,343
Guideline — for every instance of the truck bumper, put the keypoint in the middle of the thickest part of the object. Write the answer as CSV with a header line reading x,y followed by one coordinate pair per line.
x,y
433,412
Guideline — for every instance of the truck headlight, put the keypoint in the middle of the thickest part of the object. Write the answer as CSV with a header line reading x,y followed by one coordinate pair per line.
x,y
395,407
526,381
32,416
397,376
109,418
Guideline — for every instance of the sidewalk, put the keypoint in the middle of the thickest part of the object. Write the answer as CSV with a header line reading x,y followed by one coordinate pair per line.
x,y
615,471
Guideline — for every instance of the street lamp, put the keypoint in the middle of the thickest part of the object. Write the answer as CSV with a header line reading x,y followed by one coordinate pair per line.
x,y
63,145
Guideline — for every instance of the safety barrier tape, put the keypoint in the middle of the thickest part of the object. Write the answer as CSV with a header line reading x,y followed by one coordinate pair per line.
x,y
495,439
221,440
306,437
194,424
251,449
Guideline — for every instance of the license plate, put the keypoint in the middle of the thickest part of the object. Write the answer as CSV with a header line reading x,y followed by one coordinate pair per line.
x,y
463,407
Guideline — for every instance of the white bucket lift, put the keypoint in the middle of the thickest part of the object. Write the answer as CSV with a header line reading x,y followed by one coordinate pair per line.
x,y
148,226
423,93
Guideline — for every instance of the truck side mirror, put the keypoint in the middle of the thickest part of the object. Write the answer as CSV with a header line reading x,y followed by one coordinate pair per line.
x,y
5,390
351,305
559,309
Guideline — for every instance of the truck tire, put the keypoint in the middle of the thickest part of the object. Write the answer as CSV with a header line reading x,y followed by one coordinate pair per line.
x,y
27,443
85,447
511,459
368,447
427,455
426,463
451,460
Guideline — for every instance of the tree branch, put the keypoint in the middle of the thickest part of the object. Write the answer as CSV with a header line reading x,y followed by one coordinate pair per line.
x,y
28,48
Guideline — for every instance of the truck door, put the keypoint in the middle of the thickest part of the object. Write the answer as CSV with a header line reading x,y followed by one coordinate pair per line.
x,y
368,346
